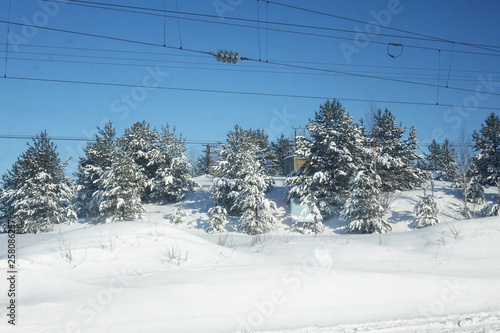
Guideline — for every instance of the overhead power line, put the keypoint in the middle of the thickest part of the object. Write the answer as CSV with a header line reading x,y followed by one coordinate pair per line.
x,y
372,77
161,12
481,46
414,76
203,56
241,92
243,58
107,37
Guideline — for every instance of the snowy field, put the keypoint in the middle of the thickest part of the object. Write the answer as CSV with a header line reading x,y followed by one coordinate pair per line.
x,y
154,276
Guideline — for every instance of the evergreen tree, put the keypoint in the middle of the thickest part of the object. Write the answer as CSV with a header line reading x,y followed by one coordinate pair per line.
x,y
447,161
475,192
487,143
91,167
241,182
120,190
217,218
392,156
493,209
426,211
142,144
178,216
412,174
236,156
172,180
35,193
282,148
363,208
204,165
332,156
433,157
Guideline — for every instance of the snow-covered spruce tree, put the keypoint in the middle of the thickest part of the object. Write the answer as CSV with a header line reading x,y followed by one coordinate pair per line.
x,y
142,144
392,158
493,209
172,180
35,193
204,164
231,168
426,211
178,216
362,208
487,143
433,157
282,148
332,157
412,174
256,210
241,182
475,191
217,218
120,190
447,161
91,167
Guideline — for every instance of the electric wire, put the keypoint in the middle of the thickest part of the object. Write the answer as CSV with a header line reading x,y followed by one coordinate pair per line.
x,y
481,46
423,37
7,42
232,92
419,76
371,76
204,56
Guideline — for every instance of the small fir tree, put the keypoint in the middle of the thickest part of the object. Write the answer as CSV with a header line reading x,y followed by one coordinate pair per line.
x,y
493,209
426,211
178,216
217,219
362,208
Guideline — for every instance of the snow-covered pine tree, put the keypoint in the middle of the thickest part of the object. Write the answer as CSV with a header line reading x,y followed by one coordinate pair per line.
x,y
141,143
475,191
487,143
241,182
282,148
91,167
36,194
493,209
178,216
332,157
172,179
426,211
362,208
217,219
433,157
442,160
447,161
412,175
204,164
231,168
391,151
120,190
256,210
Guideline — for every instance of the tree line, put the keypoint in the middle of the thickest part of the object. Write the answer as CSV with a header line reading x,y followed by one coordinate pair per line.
x,y
349,168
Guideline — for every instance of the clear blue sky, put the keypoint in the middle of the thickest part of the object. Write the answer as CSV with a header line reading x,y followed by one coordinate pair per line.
x,y
64,109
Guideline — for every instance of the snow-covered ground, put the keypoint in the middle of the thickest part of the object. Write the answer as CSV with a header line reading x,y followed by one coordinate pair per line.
x,y
154,276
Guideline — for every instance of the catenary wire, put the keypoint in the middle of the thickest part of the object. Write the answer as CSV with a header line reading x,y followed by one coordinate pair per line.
x,y
421,36
232,92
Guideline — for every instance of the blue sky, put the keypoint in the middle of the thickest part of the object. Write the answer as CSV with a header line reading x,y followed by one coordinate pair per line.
x,y
74,110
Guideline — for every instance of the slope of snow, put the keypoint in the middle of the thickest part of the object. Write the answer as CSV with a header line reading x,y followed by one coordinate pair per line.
x,y
154,276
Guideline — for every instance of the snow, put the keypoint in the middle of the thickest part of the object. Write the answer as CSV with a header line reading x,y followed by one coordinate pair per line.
x,y
155,276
